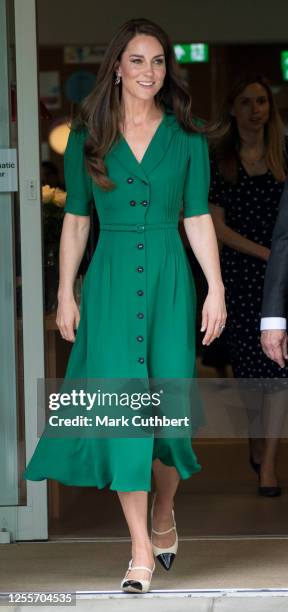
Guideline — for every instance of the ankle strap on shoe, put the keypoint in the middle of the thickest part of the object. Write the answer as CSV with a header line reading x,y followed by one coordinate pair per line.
x,y
163,532
140,567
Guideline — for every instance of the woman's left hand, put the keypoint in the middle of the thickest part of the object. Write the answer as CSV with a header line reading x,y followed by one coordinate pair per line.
x,y
214,315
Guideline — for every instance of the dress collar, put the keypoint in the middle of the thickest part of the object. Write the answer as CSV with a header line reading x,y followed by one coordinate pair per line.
x,y
154,152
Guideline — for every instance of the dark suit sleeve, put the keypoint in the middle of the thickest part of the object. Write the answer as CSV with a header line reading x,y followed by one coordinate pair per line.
x,y
275,294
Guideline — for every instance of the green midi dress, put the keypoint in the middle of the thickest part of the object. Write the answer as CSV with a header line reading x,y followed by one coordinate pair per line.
x,y
138,300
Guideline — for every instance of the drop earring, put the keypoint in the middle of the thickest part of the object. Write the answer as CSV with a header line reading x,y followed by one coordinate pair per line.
x,y
117,79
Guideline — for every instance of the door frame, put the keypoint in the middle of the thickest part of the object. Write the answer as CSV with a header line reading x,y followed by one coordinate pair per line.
x,y
31,521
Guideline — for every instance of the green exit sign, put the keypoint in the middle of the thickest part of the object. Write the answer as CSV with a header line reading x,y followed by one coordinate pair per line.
x,y
284,65
193,53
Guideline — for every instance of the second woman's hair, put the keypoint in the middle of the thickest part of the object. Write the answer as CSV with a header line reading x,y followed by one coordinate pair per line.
x,y
225,137
100,112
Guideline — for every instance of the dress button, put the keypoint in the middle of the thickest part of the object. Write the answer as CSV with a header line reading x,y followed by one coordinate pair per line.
x,y
140,245
130,180
144,203
140,292
132,203
140,338
140,269
141,359
140,315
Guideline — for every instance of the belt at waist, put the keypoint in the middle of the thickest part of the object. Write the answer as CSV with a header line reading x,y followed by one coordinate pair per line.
x,y
118,227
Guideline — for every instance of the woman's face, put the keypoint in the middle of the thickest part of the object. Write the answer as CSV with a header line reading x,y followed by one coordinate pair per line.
x,y
251,108
142,67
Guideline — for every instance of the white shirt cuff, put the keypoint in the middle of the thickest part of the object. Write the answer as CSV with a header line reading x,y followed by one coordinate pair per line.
x,y
273,323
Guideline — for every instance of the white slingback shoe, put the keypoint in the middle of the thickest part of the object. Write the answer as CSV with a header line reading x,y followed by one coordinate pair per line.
x,y
138,585
166,555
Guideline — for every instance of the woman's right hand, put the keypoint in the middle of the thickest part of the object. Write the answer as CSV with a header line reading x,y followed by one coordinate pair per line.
x,y
68,317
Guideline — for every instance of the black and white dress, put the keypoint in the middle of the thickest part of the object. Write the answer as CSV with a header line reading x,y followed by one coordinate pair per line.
x,y
251,207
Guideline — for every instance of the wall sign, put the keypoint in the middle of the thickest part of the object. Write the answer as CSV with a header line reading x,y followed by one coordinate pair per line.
x,y
49,87
192,54
8,170
85,54
284,65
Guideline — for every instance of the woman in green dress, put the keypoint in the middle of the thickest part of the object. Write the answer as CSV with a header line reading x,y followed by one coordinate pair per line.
x,y
138,154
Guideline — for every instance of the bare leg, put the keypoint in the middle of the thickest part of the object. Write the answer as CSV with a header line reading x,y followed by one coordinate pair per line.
x,y
256,446
274,412
268,476
134,506
253,402
166,483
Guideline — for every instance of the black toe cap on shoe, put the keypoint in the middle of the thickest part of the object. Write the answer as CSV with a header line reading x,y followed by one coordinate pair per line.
x,y
134,584
166,560
269,491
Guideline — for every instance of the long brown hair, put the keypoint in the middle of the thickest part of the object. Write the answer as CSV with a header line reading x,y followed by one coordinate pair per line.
x,y
100,111
225,138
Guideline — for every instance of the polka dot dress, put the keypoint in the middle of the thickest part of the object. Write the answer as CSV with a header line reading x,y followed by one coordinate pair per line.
x,y
251,207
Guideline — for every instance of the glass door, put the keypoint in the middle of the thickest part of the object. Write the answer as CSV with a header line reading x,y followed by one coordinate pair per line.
x,y
23,506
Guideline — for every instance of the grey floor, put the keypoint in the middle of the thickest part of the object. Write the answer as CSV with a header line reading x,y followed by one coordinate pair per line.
x,y
226,604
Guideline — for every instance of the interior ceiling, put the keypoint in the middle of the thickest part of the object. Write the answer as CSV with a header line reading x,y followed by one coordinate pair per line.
x,y
69,21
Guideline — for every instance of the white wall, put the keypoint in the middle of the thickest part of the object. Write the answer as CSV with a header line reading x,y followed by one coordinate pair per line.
x,y
92,21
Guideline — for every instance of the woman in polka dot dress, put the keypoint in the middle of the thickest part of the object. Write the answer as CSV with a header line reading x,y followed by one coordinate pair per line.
x,y
248,168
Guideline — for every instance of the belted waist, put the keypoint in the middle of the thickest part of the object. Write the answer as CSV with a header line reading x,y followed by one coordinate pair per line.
x,y
119,227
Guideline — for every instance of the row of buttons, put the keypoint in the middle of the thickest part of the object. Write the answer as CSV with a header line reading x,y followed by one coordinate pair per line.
x,y
140,269
140,315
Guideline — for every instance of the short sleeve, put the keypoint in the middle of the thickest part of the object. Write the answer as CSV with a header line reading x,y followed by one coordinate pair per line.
x,y
195,198
217,191
77,180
